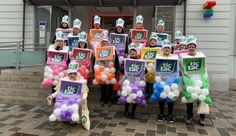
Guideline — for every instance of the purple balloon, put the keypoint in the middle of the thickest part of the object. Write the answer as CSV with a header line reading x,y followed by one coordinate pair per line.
x,y
63,115
58,104
68,119
144,102
138,100
122,99
69,112
72,101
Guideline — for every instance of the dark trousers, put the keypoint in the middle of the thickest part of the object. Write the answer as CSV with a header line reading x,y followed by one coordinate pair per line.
x,y
133,108
106,93
190,111
162,107
53,91
149,89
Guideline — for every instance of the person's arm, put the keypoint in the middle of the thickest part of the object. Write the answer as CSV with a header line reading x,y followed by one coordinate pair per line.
x,y
57,88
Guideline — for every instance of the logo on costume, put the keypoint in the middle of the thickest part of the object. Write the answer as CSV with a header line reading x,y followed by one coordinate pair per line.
x,y
70,90
97,35
166,66
134,68
139,36
58,58
194,65
81,56
150,55
104,53
117,40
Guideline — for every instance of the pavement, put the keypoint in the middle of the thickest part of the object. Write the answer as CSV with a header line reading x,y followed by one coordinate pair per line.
x,y
27,120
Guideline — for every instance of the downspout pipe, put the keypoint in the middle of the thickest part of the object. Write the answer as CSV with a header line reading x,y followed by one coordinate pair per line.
x,y
185,12
23,25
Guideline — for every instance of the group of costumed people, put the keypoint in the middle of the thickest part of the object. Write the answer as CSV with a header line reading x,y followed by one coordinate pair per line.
x,y
131,66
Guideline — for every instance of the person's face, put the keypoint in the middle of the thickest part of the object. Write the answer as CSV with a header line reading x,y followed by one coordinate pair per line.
x,y
82,44
64,25
182,47
153,42
59,43
76,30
191,49
139,25
97,26
104,43
160,29
119,29
73,76
177,41
133,53
166,51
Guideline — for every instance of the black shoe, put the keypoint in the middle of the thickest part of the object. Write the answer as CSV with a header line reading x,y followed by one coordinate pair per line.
x,y
170,119
160,117
201,122
132,115
189,121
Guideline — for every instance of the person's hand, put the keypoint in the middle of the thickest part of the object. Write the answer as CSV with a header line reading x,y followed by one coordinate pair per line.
x,y
49,98
83,101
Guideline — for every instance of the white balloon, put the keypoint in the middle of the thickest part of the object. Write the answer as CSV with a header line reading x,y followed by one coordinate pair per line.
x,y
140,93
57,112
52,117
133,96
163,95
129,100
162,83
95,82
56,77
190,89
126,82
170,95
107,70
174,86
107,82
158,79
75,117
194,96
198,83
166,88
87,71
50,76
79,100
61,74
205,91
113,70
113,81
142,83
64,107
96,67
184,100
75,107
128,89
124,93
45,74
196,89
176,93
119,93
104,77
50,70
202,97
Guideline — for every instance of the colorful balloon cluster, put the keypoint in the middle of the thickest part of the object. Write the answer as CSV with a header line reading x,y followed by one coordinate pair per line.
x,y
150,75
196,90
83,71
52,75
165,90
133,92
104,75
66,109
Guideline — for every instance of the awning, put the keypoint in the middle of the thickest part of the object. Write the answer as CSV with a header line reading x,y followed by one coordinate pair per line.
x,y
104,3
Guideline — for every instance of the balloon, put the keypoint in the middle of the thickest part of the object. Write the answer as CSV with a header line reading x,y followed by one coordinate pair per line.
x,y
189,89
63,107
142,83
75,117
176,93
158,79
101,68
95,82
197,90
116,87
63,115
124,93
113,70
162,83
75,107
122,99
129,100
50,76
163,95
187,95
170,95
208,100
52,117
205,85
144,102
55,72
139,93
113,81
154,98
198,83
166,88
109,76
107,70
96,67
126,82
202,97
98,78
104,77
133,96
138,100
184,100
57,112
174,86
194,96
111,64
205,91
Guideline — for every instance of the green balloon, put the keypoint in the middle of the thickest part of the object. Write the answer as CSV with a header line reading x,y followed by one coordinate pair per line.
x,y
187,95
204,79
191,82
205,85
208,100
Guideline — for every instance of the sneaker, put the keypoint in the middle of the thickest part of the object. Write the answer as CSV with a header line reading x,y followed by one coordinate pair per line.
x,y
160,117
170,119
189,121
201,122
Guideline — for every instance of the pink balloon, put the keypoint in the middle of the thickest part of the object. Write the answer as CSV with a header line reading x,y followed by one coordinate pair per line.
x,y
46,83
56,72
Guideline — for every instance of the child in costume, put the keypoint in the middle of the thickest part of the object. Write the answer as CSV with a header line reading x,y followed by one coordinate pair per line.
x,y
160,30
76,28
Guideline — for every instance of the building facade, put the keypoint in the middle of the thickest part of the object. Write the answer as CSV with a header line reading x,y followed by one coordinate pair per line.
x,y
216,35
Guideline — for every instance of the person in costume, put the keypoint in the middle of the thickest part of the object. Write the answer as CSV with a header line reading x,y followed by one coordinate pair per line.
x,y
76,28
152,44
139,22
97,22
160,26
160,30
65,24
166,52
178,36
58,46
107,90
183,43
133,55
191,46
83,40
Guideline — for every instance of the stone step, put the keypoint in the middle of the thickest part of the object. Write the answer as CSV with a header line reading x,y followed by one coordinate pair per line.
x,y
5,77
37,71
20,85
24,92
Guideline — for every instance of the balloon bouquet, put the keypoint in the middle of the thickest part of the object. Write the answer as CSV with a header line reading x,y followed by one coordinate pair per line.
x,y
195,79
166,86
104,66
133,87
56,68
